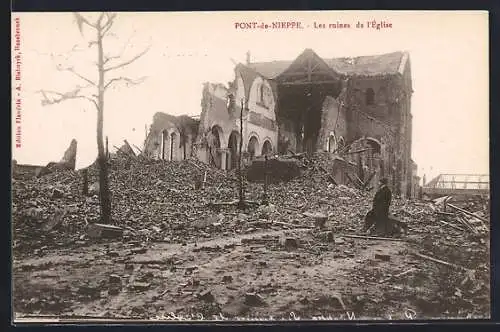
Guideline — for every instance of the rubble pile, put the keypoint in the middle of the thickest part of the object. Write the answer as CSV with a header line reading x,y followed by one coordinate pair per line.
x,y
190,202
159,201
151,200
277,169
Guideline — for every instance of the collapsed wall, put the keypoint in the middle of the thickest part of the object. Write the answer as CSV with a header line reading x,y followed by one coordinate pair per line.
x,y
219,119
333,125
67,162
171,137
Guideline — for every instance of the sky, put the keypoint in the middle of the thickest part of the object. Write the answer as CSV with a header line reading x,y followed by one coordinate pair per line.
x,y
448,54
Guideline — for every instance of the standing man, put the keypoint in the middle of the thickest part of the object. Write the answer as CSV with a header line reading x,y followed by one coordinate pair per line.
x,y
378,216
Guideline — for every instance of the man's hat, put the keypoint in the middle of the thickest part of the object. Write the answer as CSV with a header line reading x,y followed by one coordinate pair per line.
x,y
384,181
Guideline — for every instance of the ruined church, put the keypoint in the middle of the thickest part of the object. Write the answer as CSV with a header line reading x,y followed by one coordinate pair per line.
x,y
358,108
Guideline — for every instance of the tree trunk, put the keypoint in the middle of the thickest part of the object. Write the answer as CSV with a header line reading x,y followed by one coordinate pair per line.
x,y
241,203
85,190
104,194
107,149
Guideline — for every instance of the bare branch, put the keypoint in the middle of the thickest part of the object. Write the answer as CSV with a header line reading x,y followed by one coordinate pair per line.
x,y
71,70
99,20
63,96
126,63
106,29
128,81
81,20
111,57
111,34
108,24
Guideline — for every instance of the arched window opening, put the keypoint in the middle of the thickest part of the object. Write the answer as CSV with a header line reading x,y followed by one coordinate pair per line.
x,y
369,96
341,143
214,145
164,145
267,148
233,150
252,147
332,144
173,146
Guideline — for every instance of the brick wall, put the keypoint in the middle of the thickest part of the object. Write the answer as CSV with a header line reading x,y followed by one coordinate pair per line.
x,y
333,121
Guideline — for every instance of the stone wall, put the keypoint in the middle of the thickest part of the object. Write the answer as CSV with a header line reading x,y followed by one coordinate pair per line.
x,y
221,110
380,107
171,137
333,125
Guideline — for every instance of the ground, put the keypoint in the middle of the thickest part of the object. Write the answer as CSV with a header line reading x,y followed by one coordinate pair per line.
x,y
223,263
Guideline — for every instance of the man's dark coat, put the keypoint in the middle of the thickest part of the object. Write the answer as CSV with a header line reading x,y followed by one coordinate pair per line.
x,y
381,202
379,214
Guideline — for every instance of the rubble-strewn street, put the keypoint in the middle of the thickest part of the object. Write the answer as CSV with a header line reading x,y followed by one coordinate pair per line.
x,y
184,254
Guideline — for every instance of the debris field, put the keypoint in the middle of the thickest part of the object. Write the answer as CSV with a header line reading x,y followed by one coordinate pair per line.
x,y
178,250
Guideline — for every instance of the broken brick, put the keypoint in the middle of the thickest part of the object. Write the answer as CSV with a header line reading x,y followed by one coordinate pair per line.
x,y
104,231
383,257
140,286
115,279
328,236
115,284
290,243
112,254
55,220
89,290
254,300
206,296
139,250
57,193
339,240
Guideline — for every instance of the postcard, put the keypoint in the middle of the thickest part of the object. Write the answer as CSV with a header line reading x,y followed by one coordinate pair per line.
x,y
250,166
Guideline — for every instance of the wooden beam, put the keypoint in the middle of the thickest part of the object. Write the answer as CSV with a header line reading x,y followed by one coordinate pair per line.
x,y
307,83
303,73
451,225
372,238
309,66
294,73
439,261
315,66
467,212
398,275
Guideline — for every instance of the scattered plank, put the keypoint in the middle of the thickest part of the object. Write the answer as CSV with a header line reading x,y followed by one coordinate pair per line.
x,y
371,237
467,212
356,184
398,275
290,225
439,261
229,203
140,150
330,177
442,213
104,231
451,225
367,182
466,224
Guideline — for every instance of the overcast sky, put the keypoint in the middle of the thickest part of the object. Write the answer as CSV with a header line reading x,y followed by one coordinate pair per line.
x,y
448,52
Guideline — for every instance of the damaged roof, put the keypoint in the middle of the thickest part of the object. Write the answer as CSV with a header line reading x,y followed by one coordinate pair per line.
x,y
180,121
373,65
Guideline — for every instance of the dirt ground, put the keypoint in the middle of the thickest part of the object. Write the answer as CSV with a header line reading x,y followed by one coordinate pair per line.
x,y
181,260
239,275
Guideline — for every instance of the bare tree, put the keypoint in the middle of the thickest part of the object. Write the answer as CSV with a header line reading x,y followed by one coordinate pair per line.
x,y
241,201
104,65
